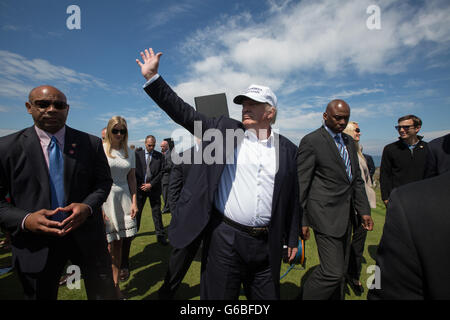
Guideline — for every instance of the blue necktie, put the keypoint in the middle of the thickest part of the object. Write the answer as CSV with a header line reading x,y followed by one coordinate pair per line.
x,y
344,154
56,175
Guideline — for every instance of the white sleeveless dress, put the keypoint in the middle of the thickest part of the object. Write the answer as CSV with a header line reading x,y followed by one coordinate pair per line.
x,y
117,207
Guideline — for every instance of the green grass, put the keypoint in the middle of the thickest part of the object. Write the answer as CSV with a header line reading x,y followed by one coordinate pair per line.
x,y
148,263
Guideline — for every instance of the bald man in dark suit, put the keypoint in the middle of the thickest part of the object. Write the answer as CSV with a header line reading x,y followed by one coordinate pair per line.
x,y
331,190
57,178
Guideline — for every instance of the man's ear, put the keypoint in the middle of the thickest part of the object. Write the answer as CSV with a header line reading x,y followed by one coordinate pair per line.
x,y
28,105
270,113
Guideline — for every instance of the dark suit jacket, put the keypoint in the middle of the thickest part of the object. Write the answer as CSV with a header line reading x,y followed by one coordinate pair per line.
x,y
168,165
413,254
156,169
399,167
370,165
438,156
197,197
177,179
326,193
24,174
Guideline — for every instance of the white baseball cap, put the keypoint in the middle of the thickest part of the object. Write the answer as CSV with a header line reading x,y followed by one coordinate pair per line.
x,y
257,93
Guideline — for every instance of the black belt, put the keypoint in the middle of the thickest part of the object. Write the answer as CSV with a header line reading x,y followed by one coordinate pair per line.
x,y
256,232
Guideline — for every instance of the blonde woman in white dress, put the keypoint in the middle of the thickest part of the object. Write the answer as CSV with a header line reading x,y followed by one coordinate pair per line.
x,y
121,206
359,233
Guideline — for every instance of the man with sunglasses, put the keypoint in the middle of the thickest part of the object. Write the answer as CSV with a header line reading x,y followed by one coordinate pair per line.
x,y
403,161
57,178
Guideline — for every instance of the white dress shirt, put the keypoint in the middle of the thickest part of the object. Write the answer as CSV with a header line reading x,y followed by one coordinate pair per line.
x,y
246,186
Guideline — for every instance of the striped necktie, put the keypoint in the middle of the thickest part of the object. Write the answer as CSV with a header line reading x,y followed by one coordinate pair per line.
x,y
344,154
56,175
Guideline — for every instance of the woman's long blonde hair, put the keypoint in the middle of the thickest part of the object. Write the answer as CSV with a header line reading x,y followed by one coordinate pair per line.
x,y
124,144
350,130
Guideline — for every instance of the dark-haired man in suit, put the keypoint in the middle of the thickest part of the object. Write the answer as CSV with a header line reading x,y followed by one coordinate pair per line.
x,y
244,230
57,178
331,190
403,161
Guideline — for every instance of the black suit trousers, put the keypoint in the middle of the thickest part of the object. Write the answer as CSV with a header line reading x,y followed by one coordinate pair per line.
x,y
154,197
327,280
44,285
231,257
356,251
179,262
165,192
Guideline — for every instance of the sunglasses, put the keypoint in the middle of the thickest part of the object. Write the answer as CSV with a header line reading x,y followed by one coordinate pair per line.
x,y
44,104
358,130
406,128
116,131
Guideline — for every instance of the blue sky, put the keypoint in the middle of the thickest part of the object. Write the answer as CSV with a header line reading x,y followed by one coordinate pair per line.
x,y
308,52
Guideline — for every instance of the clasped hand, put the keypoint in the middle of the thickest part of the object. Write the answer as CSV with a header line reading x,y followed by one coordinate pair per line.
x,y
39,221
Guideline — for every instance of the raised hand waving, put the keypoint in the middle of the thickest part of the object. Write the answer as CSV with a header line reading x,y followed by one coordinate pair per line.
x,y
150,64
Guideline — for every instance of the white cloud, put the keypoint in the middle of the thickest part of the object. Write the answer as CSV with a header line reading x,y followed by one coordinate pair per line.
x,y
321,35
135,118
14,68
350,93
159,18
311,43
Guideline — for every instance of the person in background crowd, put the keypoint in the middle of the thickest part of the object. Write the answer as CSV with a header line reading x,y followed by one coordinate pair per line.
x,y
57,178
103,134
332,195
359,233
438,156
403,161
149,171
168,165
370,166
121,206
180,259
